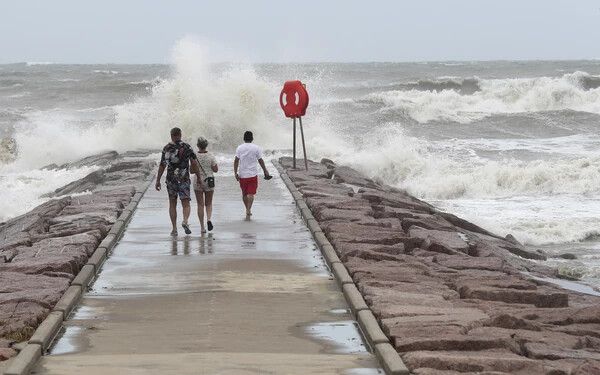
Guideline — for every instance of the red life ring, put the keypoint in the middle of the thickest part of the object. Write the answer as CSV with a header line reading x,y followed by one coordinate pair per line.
x,y
293,99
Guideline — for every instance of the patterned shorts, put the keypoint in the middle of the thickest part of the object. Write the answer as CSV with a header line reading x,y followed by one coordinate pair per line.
x,y
175,188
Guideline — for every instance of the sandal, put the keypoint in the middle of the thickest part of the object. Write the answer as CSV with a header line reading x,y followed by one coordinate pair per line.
x,y
174,233
209,225
186,227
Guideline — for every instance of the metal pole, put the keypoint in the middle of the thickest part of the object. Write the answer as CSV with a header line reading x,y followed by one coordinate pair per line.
x,y
303,146
294,165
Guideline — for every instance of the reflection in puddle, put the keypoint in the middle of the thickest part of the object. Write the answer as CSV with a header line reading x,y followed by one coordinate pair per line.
x,y
248,241
206,244
185,247
84,312
363,371
340,311
67,340
343,337
188,245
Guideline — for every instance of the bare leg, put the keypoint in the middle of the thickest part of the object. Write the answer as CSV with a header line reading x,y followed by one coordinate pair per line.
x,y
173,213
250,200
186,209
200,200
208,202
245,199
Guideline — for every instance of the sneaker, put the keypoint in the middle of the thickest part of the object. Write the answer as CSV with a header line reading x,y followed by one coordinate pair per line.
x,y
186,227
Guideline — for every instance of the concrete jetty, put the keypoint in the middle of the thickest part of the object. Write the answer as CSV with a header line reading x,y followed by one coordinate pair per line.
x,y
252,297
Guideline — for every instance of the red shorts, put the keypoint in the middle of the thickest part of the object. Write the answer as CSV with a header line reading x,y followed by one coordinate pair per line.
x,y
249,185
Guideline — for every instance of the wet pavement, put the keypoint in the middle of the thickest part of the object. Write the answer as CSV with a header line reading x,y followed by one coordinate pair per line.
x,y
252,297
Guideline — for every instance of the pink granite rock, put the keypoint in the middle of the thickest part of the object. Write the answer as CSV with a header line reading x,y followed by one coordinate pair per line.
x,y
381,211
327,214
538,298
433,222
368,251
499,360
396,200
342,203
6,353
343,174
25,300
350,232
465,262
451,296
322,190
42,250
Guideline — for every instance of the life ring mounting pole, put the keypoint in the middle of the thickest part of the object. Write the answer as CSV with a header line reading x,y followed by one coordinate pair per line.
x,y
303,145
294,165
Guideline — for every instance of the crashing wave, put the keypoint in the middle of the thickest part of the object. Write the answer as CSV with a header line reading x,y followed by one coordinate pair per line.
x,y
219,107
577,91
464,86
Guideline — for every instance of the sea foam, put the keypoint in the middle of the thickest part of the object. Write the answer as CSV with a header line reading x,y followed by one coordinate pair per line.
x,y
21,189
219,107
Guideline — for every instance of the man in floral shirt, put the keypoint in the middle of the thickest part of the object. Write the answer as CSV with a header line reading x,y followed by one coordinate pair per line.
x,y
177,156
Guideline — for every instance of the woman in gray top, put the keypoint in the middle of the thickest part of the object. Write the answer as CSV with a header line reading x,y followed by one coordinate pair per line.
x,y
204,193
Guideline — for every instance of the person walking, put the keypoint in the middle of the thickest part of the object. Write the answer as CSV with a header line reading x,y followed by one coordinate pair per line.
x,y
177,157
204,187
246,157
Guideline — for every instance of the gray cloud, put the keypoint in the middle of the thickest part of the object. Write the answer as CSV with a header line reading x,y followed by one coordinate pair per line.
x,y
144,31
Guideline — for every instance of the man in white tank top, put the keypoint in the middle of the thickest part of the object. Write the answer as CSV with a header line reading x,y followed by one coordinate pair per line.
x,y
246,157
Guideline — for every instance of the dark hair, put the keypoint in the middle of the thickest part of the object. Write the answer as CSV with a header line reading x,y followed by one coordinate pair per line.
x,y
175,132
248,137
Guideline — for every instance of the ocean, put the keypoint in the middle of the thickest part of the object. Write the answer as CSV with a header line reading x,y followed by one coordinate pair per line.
x,y
510,145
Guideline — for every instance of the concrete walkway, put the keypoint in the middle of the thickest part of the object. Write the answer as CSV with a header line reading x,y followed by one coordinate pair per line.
x,y
253,297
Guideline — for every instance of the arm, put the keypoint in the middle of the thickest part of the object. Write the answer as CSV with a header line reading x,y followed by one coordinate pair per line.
x,y
262,165
161,169
236,163
195,168
213,165
194,163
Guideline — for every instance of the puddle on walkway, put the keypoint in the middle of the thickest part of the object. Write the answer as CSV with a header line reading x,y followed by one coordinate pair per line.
x,y
340,311
342,337
69,340
84,312
363,371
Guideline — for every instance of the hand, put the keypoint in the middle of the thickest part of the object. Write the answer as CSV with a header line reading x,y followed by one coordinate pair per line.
x,y
157,185
237,176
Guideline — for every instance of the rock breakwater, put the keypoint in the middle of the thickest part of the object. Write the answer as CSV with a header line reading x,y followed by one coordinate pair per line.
x,y
451,296
43,250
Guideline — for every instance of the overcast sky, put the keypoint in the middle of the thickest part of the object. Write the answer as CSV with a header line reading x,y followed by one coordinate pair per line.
x,y
144,31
